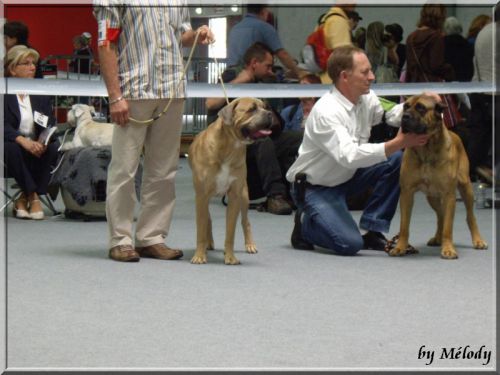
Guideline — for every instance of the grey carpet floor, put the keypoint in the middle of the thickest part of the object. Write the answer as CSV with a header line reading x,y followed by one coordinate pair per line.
x,y
69,306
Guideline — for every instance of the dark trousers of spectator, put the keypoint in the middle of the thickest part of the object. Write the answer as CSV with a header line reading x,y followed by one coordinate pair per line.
x,y
267,162
480,131
287,147
32,174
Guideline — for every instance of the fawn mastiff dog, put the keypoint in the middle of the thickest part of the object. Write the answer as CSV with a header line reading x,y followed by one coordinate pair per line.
x,y
437,169
217,158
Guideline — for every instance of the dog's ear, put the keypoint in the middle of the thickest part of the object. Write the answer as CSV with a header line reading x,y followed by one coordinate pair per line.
x,y
439,107
226,114
78,110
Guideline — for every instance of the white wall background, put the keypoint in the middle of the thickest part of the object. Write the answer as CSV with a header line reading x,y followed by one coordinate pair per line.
x,y
295,23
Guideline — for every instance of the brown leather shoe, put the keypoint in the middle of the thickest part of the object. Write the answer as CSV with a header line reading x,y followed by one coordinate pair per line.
x,y
159,251
278,205
124,253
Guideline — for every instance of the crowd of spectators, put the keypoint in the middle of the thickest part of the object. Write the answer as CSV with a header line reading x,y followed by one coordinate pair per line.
x,y
435,51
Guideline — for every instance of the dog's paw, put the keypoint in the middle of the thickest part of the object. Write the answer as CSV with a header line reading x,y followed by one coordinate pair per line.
x,y
251,248
199,259
397,252
231,260
480,244
211,246
434,241
449,253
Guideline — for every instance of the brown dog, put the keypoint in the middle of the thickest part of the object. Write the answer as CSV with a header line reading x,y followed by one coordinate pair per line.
x,y
437,169
217,158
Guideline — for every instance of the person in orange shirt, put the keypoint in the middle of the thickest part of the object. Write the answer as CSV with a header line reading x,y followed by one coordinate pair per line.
x,y
337,30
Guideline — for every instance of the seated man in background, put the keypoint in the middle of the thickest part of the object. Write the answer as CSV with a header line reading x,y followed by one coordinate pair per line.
x,y
267,158
295,115
335,159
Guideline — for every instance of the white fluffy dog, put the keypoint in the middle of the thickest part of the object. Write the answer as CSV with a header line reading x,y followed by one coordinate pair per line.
x,y
88,132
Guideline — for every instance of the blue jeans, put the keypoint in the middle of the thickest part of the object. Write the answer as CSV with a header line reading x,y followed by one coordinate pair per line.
x,y
326,221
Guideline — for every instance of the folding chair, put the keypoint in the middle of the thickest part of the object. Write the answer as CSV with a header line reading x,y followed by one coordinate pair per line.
x,y
11,197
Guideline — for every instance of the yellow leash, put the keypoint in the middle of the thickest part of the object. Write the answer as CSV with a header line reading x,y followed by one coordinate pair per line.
x,y
151,120
221,80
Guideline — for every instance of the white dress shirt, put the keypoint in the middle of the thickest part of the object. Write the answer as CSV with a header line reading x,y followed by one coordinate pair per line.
x,y
27,124
336,137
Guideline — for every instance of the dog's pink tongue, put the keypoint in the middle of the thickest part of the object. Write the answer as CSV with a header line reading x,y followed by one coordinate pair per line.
x,y
262,133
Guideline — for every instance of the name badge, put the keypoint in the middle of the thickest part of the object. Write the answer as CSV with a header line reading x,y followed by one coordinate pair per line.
x,y
40,119
102,34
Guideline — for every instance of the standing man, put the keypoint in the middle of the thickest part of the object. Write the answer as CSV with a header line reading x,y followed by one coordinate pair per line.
x,y
140,50
254,28
335,159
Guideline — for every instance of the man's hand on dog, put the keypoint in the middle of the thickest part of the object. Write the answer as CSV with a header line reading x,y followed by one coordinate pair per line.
x,y
119,112
409,140
404,140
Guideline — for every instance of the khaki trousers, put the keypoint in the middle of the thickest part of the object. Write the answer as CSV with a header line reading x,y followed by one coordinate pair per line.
x,y
161,142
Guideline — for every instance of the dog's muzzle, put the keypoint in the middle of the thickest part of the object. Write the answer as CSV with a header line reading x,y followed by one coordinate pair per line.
x,y
411,124
259,128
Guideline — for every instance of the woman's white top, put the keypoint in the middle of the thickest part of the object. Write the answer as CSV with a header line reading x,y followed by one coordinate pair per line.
x,y
27,124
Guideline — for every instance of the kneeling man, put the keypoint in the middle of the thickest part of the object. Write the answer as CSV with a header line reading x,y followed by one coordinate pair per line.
x,y
335,159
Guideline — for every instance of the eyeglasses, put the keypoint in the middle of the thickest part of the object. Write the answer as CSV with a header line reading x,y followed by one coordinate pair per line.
x,y
27,63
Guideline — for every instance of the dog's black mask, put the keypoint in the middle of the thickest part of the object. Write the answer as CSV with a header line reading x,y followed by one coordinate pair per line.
x,y
412,124
413,120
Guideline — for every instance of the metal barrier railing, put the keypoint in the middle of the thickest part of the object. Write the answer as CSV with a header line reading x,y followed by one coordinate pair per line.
x,y
80,67
73,67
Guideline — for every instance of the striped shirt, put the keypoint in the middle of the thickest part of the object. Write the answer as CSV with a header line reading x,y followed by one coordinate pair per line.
x,y
149,45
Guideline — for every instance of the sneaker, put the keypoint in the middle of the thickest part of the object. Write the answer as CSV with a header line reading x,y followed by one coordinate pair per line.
x,y
124,253
297,240
374,241
278,205
159,251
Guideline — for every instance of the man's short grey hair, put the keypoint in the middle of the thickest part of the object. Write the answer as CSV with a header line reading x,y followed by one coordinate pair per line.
x,y
452,26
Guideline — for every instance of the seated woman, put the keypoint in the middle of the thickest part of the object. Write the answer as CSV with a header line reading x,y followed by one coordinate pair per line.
x,y
28,160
